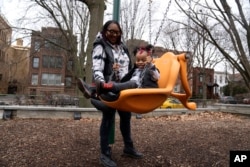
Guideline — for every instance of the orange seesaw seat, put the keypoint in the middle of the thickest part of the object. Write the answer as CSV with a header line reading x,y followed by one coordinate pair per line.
x,y
145,100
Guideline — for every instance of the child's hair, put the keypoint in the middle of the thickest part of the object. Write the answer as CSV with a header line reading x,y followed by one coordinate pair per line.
x,y
148,48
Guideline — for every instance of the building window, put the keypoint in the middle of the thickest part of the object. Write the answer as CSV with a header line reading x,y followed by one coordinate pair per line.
x,y
70,65
52,61
46,44
220,79
34,79
200,77
35,62
37,46
51,79
175,89
68,81
200,90
215,79
52,43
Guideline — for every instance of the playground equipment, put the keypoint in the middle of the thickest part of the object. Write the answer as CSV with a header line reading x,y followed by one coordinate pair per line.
x,y
144,100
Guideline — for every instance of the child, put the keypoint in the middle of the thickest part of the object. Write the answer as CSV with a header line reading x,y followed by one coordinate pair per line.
x,y
143,75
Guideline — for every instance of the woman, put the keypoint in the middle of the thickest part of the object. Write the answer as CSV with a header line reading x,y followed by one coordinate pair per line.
x,y
111,61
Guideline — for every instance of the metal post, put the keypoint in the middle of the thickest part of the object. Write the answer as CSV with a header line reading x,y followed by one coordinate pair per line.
x,y
116,10
116,16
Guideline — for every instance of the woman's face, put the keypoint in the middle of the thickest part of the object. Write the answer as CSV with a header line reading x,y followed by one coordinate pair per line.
x,y
113,33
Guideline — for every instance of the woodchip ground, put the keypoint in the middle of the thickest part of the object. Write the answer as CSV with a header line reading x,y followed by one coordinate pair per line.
x,y
191,140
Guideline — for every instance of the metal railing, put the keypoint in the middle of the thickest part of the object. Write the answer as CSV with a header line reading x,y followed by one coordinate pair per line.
x,y
9,111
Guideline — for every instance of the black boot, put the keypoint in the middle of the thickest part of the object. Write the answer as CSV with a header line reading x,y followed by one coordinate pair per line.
x,y
84,88
117,87
131,152
106,160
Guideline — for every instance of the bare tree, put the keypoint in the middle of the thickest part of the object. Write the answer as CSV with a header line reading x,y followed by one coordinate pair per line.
x,y
134,22
96,10
133,19
172,36
228,29
204,54
82,19
72,19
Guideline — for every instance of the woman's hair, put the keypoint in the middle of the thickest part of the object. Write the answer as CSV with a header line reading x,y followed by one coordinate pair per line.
x,y
148,48
105,28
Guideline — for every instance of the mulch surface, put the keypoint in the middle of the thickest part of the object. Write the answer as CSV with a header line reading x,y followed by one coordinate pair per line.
x,y
191,140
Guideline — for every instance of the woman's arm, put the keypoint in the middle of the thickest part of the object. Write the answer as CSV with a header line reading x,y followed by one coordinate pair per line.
x,y
98,57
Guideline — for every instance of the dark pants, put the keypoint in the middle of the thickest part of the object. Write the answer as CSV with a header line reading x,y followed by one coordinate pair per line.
x,y
108,115
106,127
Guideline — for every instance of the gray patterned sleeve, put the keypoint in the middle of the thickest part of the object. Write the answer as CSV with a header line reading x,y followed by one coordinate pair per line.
x,y
98,57
155,75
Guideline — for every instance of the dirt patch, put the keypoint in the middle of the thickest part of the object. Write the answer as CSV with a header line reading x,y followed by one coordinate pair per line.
x,y
202,139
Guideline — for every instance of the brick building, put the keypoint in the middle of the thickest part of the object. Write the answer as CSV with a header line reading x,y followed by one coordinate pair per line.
x,y
5,39
198,76
13,62
51,65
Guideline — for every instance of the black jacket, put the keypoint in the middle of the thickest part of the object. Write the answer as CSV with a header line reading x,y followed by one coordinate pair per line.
x,y
147,82
109,61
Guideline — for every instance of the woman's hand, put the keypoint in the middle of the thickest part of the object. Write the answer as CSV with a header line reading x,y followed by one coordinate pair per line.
x,y
116,66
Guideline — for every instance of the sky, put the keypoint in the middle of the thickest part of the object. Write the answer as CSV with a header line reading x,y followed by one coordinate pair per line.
x,y
13,9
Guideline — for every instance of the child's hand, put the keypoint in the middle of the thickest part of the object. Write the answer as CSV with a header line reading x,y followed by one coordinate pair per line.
x,y
149,59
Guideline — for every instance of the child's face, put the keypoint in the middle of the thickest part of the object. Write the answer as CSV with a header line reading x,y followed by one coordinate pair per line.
x,y
141,59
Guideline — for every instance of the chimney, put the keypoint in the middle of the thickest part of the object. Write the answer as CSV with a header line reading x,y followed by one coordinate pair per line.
x,y
19,42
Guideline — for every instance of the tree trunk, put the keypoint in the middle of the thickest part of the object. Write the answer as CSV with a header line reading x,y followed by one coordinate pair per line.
x,y
96,9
